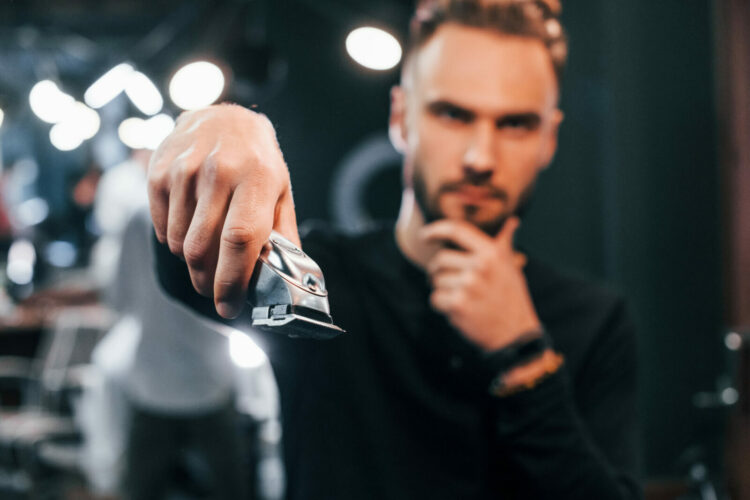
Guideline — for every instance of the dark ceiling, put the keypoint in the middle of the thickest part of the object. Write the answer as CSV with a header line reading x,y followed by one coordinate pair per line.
x,y
74,41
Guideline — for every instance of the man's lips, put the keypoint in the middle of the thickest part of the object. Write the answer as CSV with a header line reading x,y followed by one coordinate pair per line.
x,y
475,194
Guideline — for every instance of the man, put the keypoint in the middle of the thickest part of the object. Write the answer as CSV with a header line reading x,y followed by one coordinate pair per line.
x,y
426,396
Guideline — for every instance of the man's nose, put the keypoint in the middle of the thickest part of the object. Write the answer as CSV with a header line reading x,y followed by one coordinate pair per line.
x,y
480,160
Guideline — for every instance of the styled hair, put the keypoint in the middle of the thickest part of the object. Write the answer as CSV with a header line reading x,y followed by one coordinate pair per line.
x,y
538,19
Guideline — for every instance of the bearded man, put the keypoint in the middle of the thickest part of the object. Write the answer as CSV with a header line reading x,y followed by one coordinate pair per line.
x,y
419,398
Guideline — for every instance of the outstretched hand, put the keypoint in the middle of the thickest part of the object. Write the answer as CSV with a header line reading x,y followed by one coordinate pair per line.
x,y
217,187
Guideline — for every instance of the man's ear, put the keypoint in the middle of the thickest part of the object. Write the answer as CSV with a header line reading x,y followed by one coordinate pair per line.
x,y
551,148
397,119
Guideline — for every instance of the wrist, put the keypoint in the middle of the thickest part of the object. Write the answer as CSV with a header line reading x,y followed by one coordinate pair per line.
x,y
524,348
531,329
527,374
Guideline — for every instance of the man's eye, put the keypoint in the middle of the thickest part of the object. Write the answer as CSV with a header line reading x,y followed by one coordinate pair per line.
x,y
518,123
454,114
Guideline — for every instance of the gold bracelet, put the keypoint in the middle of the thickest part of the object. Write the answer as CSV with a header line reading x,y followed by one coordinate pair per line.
x,y
528,375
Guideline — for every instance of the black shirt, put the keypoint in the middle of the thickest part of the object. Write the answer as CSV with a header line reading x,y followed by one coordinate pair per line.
x,y
399,408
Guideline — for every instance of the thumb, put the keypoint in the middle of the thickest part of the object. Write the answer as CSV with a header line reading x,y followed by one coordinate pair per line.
x,y
285,219
504,238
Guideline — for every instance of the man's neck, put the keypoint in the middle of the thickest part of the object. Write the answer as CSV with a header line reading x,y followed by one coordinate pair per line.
x,y
410,222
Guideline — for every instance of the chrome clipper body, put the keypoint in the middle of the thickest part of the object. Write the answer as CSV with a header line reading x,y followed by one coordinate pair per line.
x,y
288,289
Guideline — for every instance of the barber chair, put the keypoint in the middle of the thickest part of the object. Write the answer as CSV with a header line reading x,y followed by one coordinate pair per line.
x,y
39,442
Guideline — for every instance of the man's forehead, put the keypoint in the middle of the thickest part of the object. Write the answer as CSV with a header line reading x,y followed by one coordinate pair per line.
x,y
484,69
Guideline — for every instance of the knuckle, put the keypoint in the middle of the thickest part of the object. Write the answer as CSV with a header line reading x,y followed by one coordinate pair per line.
x,y
238,237
483,263
226,168
184,168
184,117
213,170
175,245
158,197
157,181
195,252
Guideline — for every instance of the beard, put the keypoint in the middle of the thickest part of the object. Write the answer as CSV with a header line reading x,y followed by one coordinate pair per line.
x,y
430,205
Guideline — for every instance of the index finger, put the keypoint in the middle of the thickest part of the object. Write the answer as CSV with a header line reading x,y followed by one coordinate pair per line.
x,y
247,226
504,238
461,233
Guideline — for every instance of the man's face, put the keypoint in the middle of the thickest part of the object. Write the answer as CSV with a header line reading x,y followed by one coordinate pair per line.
x,y
477,121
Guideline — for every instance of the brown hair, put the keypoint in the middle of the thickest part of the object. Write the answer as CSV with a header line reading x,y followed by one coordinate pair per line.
x,y
537,19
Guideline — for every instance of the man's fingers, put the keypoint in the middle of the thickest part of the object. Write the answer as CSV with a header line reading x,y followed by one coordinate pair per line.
x,y
182,203
246,229
444,300
201,247
459,233
448,281
159,206
504,238
158,200
449,260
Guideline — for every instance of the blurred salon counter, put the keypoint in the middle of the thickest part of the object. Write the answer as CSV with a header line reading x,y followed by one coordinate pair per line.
x,y
22,324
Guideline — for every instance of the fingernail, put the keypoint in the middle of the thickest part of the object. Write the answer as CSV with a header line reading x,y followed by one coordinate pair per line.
x,y
227,310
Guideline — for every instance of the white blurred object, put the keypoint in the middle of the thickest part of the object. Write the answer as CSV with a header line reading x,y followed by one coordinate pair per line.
x,y
271,477
84,120
139,88
373,48
60,253
65,137
2,116
733,341
102,413
244,352
729,396
121,192
137,133
132,132
32,211
74,122
144,94
196,85
48,102
157,128
108,86
21,260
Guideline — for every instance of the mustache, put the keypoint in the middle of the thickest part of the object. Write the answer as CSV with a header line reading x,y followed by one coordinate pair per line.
x,y
493,191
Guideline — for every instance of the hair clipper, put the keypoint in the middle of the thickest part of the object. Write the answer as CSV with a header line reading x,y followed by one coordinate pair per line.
x,y
288,290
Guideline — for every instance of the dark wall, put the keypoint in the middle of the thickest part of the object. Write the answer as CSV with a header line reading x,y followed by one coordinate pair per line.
x,y
632,198
668,254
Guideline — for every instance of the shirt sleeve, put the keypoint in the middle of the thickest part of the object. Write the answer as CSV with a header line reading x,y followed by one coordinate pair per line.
x,y
174,278
566,447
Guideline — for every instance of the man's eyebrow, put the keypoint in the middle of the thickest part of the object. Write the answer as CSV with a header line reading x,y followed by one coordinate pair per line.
x,y
528,118
441,106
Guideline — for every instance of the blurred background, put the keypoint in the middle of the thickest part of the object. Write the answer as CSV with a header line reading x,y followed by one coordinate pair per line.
x,y
650,192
